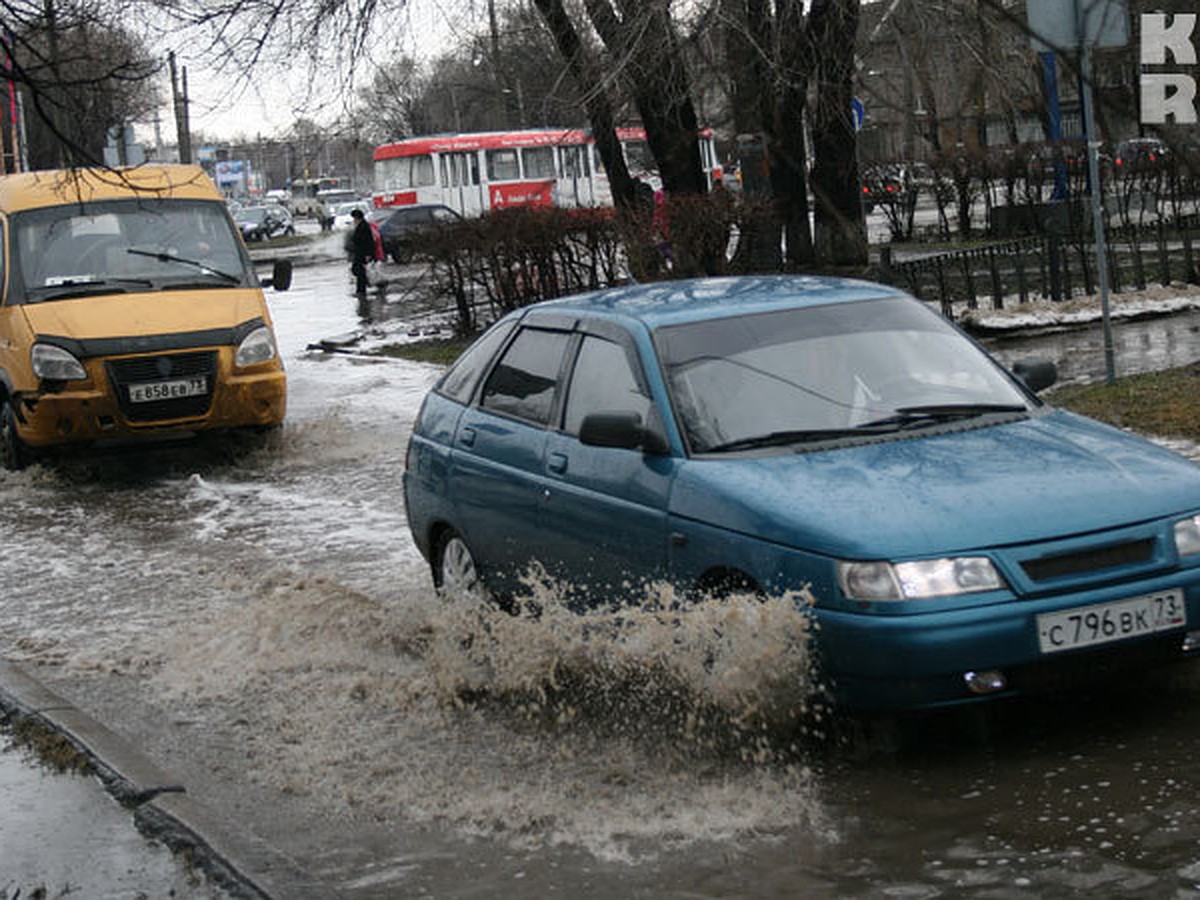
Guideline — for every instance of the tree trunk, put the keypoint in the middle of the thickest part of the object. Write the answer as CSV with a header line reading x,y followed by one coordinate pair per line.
x,y
840,231
789,147
748,33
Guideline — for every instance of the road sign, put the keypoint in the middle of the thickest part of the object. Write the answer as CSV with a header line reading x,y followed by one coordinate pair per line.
x,y
858,113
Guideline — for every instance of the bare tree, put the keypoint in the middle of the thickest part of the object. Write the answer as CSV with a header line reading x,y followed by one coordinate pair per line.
x,y
394,104
643,44
80,73
586,71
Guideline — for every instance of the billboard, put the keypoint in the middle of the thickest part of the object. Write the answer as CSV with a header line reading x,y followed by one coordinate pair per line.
x,y
1070,24
232,175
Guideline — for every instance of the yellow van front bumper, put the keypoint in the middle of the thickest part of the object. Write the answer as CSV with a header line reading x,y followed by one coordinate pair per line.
x,y
95,412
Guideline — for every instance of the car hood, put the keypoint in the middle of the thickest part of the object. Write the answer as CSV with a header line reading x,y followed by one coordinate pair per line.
x,y
142,314
1050,476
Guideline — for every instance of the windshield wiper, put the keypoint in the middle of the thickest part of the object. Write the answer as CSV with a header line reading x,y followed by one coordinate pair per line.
x,y
903,418
171,257
67,287
909,416
803,436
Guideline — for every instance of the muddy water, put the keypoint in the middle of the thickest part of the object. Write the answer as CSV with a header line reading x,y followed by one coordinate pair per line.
x,y
257,618
97,852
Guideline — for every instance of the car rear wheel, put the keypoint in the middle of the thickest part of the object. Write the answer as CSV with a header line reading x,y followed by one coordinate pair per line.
x,y
454,572
14,454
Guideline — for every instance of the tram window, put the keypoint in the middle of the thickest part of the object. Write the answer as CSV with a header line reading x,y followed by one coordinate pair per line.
x,y
539,162
423,174
502,165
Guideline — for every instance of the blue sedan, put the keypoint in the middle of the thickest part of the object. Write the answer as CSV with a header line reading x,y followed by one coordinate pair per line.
x,y
959,538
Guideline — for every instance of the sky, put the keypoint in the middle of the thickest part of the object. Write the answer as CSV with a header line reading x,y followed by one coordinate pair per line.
x,y
223,106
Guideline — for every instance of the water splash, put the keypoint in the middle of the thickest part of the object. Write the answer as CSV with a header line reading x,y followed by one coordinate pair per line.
x,y
624,732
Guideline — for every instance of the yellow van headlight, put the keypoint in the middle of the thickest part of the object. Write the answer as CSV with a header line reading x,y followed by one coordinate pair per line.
x,y
55,364
257,347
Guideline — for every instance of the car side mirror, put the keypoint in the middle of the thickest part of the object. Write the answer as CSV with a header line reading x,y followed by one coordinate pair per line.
x,y
623,430
1036,374
281,275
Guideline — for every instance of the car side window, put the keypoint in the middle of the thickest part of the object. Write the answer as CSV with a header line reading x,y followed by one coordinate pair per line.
x,y
524,380
603,381
459,382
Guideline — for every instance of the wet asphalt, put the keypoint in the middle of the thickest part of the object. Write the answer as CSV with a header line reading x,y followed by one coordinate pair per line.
x,y
126,829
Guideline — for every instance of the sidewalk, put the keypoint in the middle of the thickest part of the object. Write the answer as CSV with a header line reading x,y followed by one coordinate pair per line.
x,y
152,801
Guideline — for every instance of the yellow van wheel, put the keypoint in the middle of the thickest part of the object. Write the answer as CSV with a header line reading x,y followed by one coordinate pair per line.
x,y
13,452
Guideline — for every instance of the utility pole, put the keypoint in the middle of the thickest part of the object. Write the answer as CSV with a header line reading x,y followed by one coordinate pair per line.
x,y
1082,26
157,136
180,99
1098,215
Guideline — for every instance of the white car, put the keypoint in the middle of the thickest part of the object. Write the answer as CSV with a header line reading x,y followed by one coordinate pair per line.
x,y
341,213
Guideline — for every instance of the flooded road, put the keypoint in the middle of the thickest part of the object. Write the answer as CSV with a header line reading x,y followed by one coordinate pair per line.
x,y
258,620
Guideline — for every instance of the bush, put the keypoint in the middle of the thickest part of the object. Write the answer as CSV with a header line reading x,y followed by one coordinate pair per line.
x,y
514,257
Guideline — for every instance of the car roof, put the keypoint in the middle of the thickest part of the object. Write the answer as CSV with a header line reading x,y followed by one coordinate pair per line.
x,y
55,187
412,207
664,303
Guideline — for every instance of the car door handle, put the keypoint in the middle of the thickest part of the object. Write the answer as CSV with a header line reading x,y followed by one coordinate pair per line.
x,y
467,437
557,463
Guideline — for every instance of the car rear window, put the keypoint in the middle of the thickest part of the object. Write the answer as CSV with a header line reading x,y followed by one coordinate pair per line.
x,y
459,382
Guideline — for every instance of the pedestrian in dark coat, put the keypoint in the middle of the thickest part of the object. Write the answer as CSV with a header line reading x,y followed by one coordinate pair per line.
x,y
362,250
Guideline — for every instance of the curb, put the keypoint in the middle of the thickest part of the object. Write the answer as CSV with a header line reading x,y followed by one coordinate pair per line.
x,y
242,864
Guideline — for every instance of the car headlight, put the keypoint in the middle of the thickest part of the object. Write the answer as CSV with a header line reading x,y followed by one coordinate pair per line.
x,y
919,579
1187,536
56,364
257,347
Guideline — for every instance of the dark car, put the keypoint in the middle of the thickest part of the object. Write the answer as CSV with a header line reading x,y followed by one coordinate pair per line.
x,y
953,537
894,183
402,226
260,223
1139,155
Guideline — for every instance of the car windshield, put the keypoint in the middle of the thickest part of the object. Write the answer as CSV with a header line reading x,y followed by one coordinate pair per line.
x,y
253,214
125,245
825,372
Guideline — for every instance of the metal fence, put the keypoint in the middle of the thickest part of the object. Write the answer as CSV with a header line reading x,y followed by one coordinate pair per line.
x,y
1050,266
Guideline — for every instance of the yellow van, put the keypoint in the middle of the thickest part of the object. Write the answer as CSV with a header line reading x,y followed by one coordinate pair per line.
x,y
129,310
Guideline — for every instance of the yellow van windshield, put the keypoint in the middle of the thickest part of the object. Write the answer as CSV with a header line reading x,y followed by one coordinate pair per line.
x,y
125,245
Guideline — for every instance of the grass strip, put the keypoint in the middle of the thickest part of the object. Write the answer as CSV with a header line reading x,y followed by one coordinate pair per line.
x,y
1165,403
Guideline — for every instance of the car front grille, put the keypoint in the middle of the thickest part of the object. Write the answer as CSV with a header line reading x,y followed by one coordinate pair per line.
x,y
163,367
1094,560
